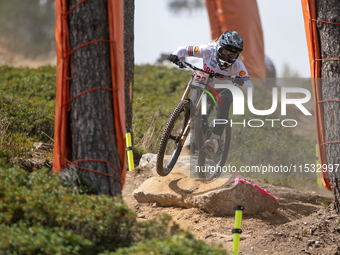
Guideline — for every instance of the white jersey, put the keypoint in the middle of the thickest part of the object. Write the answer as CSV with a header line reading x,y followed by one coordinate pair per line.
x,y
207,53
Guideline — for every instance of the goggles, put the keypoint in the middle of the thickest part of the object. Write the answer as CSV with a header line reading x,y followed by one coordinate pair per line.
x,y
227,55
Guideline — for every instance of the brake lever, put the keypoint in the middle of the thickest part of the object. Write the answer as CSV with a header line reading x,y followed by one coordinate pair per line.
x,y
238,80
181,64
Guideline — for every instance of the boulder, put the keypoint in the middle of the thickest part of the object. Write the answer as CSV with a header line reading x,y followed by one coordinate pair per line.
x,y
217,196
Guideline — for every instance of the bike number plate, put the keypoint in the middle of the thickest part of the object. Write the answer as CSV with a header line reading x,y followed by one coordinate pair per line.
x,y
200,79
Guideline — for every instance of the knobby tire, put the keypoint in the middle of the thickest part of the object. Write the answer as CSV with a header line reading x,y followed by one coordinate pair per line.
x,y
183,105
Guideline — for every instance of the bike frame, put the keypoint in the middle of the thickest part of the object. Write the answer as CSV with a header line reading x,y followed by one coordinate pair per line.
x,y
196,105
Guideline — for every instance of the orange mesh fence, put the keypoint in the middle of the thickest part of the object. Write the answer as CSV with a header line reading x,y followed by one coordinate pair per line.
x,y
309,13
245,19
62,148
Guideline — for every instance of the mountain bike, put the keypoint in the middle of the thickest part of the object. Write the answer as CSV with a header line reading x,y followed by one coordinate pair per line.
x,y
188,115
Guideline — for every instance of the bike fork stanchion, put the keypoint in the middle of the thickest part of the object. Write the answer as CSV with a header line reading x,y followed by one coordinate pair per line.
x,y
237,229
129,149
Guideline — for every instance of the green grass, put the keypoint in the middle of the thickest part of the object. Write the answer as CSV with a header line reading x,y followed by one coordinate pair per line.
x,y
27,102
29,83
156,92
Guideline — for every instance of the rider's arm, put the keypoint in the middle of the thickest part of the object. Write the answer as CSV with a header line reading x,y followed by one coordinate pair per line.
x,y
239,69
247,84
190,51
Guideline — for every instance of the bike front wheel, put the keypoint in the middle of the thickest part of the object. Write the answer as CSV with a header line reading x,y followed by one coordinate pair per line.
x,y
169,147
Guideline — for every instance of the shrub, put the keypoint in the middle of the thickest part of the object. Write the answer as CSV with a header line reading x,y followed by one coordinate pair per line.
x,y
39,199
39,215
22,239
183,243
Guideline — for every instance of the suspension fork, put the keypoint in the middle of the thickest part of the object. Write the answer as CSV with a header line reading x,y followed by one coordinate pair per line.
x,y
186,92
192,119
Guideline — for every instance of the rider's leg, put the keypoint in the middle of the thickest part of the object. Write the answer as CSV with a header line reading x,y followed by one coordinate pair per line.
x,y
223,110
222,114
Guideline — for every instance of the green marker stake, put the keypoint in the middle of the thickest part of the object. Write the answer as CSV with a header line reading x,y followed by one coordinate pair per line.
x,y
129,149
237,229
318,179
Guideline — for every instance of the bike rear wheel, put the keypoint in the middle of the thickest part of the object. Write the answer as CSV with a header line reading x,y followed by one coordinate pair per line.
x,y
207,161
169,147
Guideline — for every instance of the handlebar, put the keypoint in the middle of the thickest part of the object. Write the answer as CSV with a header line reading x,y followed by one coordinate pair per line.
x,y
237,79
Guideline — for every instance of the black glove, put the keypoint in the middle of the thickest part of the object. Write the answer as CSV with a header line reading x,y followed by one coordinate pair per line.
x,y
173,58
238,80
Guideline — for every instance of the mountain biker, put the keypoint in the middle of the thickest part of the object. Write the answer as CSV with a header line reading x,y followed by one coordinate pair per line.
x,y
222,57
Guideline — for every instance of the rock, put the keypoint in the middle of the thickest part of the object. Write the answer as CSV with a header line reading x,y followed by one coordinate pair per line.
x,y
332,217
217,196
42,146
148,163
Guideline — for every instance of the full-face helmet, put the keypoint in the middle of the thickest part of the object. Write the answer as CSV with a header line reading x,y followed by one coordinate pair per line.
x,y
228,48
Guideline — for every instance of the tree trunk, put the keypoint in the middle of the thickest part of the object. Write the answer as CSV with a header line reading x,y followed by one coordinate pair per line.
x,y
91,114
328,10
129,13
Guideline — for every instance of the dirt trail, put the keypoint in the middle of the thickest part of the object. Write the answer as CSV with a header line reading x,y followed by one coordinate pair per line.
x,y
301,225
